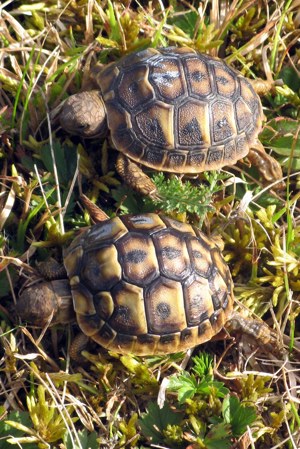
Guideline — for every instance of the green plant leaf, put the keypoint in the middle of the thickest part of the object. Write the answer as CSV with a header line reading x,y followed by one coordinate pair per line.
x,y
8,431
186,22
207,385
88,440
183,197
5,286
65,161
218,437
130,202
283,145
156,420
203,364
237,415
279,134
186,386
290,78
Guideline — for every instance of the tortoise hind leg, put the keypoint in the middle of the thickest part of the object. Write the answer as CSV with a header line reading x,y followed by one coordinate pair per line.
x,y
134,176
256,329
79,344
262,87
268,167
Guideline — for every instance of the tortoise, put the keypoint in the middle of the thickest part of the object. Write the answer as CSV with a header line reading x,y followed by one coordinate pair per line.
x,y
143,284
172,109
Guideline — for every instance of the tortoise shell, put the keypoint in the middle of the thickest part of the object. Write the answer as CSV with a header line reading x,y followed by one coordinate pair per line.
x,y
148,284
174,109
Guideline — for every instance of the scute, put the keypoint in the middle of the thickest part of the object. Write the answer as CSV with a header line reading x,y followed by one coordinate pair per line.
x,y
147,223
109,231
198,303
101,268
200,256
225,81
177,110
243,114
129,313
138,258
193,124
172,255
223,120
164,307
162,286
167,76
134,85
198,77
83,298
155,124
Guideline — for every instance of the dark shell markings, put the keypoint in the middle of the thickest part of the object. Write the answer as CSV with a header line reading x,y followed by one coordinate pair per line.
x,y
148,284
177,110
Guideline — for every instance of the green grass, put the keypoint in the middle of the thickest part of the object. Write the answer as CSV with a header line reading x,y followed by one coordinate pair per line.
x,y
224,396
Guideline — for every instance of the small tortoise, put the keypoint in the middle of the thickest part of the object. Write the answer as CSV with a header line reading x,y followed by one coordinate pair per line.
x,y
172,109
143,284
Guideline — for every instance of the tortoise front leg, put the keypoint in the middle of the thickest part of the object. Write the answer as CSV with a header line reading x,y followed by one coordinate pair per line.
x,y
134,176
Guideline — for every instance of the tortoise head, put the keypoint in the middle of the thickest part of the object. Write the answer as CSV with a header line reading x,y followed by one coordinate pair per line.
x,y
84,114
47,302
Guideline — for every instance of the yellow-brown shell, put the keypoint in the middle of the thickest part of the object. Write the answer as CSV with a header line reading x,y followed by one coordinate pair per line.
x,y
177,110
148,284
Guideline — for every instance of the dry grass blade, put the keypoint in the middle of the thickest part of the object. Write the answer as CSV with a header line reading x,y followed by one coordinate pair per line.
x,y
16,26
6,209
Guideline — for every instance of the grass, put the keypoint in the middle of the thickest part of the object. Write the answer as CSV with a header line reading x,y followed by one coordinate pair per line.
x,y
224,395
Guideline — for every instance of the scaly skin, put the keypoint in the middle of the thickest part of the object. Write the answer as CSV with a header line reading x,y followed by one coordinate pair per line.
x,y
268,167
257,330
46,303
134,176
84,114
